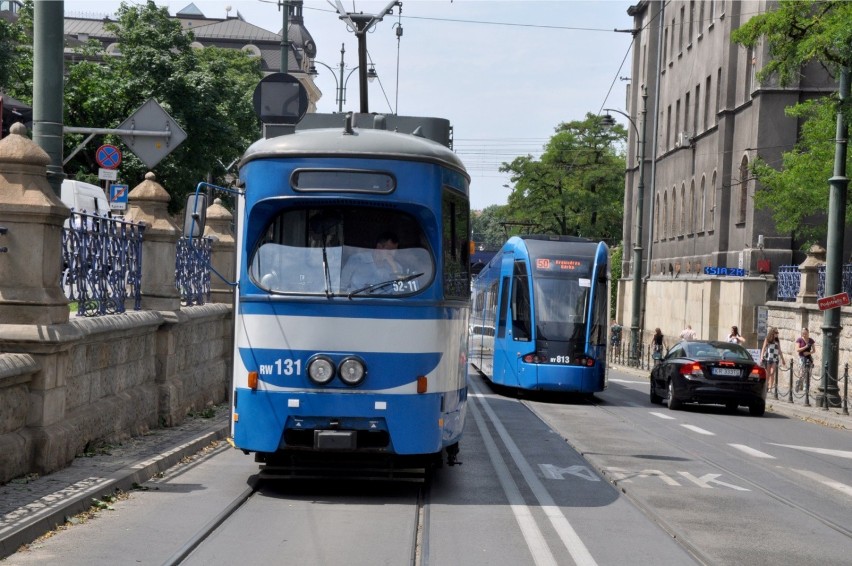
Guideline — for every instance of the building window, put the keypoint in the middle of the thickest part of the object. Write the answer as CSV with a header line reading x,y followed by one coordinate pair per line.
x,y
697,108
703,196
700,17
677,119
718,93
686,112
680,29
691,19
657,218
704,122
665,232
743,204
665,44
690,215
674,229
681,225
712,201
669,128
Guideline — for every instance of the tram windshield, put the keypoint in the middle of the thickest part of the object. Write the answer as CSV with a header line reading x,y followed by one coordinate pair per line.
x,y
351,251
561,306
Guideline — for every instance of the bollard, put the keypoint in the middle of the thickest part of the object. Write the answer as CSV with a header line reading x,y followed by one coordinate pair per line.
x,y
790,388
845,388
807,370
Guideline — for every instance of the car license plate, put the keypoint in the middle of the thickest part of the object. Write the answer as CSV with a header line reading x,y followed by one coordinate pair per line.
x,y
732,372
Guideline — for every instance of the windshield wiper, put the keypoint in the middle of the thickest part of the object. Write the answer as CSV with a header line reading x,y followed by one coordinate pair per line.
x,y
400,279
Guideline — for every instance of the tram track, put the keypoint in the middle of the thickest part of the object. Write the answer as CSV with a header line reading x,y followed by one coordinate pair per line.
x,y
419,537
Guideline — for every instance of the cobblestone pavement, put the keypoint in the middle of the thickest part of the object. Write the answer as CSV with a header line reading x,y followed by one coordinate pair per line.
x,y
33,505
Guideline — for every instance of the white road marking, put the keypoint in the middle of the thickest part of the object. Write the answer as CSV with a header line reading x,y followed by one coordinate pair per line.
x,y
705,481
699,430
625,380
841,487
827,451
751,451
552,472
620,475
536,543
663,416
578,551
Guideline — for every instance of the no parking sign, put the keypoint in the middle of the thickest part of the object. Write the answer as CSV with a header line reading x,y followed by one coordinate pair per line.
x,y
108,156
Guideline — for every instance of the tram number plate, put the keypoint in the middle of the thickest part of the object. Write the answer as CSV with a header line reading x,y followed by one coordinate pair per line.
x,y
726,371
334,440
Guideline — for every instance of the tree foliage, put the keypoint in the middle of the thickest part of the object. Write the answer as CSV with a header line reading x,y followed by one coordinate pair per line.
x,y
487,227
799,33
208,92
577,186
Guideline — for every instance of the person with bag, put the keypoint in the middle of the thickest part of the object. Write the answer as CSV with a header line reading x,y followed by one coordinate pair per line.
x,y
805,346
658,343
770,354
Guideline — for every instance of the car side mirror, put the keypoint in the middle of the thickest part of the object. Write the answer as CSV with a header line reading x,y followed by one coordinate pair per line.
x,y
195,215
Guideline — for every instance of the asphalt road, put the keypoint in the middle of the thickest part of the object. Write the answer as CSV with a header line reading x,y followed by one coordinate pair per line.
x,y
544,481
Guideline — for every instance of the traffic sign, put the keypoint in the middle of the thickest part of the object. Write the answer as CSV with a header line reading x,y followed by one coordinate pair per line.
x,y
107,174
150,149
108,156
834,301
118,197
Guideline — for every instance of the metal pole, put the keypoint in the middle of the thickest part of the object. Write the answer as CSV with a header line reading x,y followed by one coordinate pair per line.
x,y
637,242
285,38
341,94
48,88
834,247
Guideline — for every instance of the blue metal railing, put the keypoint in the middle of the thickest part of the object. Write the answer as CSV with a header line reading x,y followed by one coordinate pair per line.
x,y
101,263
789,279
192,270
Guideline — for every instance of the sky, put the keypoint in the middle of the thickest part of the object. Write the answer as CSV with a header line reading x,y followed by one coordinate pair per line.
x,y
504,73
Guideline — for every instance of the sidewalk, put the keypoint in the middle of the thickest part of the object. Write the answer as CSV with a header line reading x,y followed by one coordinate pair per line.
x,y
833,417
32,506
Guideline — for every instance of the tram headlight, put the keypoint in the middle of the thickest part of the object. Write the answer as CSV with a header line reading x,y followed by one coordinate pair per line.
x,y
352,371
321,370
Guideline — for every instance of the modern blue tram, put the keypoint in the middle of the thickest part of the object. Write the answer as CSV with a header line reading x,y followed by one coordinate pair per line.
x,y
354,296
539,315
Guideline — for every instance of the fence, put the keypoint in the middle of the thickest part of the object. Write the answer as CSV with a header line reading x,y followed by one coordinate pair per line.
x,y
789,279
102,265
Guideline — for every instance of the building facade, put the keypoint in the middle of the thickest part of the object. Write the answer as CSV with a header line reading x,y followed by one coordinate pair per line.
x,y
708,255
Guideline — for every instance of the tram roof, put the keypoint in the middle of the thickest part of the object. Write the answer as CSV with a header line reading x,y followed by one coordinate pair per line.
x,y
357,143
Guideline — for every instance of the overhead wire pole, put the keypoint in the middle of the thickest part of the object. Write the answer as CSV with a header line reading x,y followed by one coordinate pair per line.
x,y
839,183
361,24
285,37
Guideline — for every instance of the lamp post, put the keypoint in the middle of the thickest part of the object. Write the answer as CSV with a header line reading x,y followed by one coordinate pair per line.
x,y
636,297
340,85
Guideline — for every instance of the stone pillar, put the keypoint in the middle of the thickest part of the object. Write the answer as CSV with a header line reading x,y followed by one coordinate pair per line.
x,y
148,203
32,215
810,275
223,257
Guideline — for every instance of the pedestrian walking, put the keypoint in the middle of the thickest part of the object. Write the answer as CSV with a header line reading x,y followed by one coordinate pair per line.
x,y
615,334
805,347
688,333
770,354
658,343
735,337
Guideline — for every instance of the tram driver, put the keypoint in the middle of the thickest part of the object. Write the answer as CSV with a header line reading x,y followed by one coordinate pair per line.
x,y
375,266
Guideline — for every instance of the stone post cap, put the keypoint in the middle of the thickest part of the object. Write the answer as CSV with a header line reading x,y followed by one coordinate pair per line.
x,y
218,222
149,190
815,259
18,148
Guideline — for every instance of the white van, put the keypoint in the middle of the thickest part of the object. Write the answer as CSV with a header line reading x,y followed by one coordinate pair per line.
x,y
84,197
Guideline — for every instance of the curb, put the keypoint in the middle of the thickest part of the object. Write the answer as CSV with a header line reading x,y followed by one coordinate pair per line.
x,y
54,514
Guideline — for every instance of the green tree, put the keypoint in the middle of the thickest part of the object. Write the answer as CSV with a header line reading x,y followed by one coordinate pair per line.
x,y
577,186
800,33
487,227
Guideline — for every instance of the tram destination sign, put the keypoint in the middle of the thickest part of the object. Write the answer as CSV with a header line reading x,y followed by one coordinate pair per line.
x,y
834,301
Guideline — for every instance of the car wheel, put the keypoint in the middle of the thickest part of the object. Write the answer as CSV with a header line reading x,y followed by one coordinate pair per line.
x,y
757,408
673,403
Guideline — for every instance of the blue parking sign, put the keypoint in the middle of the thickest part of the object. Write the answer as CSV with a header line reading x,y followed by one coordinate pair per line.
x,y
118,197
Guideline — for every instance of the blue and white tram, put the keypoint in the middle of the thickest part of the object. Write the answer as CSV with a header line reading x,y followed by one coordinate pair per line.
x,y
539,318
354,296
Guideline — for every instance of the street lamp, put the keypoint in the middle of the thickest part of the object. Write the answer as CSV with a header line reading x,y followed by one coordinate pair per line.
x,y
340,85
640,211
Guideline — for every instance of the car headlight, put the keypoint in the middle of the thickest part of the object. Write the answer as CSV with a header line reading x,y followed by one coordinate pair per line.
x,y
321,370
352,371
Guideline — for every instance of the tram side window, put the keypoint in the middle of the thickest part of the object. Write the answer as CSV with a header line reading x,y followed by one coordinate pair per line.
x,y
456,220
504,307
521,315
599,322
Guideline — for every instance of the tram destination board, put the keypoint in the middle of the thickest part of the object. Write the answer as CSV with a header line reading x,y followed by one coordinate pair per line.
x,y
578,266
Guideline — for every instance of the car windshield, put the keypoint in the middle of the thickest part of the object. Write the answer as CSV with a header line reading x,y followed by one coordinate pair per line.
x,y
719,351
344,251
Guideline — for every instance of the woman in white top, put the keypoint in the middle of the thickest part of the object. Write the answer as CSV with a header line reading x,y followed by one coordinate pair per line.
x,y
735,337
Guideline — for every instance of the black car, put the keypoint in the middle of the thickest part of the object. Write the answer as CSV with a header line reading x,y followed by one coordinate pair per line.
x,y
701,371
